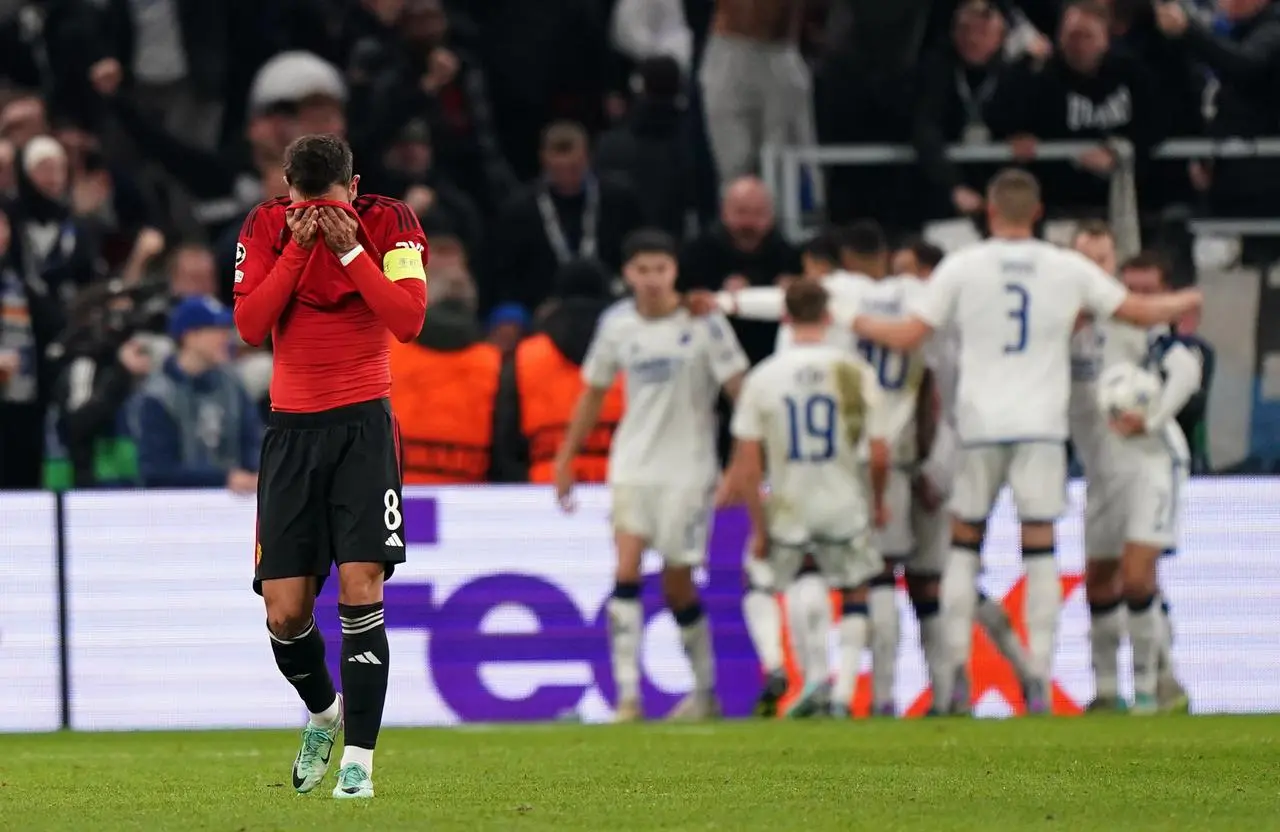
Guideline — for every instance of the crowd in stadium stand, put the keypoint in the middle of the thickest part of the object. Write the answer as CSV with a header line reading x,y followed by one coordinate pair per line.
x,y
529,138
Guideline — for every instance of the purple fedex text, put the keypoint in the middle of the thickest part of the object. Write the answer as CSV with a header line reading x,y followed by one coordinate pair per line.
x,y
457,647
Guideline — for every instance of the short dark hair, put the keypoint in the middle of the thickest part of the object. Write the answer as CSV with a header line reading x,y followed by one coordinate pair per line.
x,y
806,301
564,137
865,238
1149,259
927,254
825,245
313,164
1093,8
1094,228
647,241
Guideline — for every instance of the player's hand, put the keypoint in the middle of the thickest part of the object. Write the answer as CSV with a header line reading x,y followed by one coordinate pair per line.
x,y
1171,18
726,493
242,482
1023,147
880,514
339,229
701,302
1099,160
133,356
966,200
1129,424
303,225
759,545
106,75
926,494
564,487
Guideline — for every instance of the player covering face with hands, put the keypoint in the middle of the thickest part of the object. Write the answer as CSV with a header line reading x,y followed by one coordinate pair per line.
x,y
1013,301
328,275
662,464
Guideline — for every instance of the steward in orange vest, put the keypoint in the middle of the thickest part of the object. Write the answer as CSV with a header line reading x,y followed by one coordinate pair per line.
x,y
541,384
442,393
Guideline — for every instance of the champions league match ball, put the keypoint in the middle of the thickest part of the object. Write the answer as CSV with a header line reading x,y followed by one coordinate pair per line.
x,y
1127,388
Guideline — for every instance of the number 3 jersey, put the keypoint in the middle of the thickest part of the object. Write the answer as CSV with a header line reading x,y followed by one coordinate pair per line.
x,y
1013,304
674,368
814,407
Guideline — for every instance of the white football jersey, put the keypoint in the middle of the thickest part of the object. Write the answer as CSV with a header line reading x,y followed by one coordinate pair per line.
x,y
815,408
899,374
1014,304
845,291
673,368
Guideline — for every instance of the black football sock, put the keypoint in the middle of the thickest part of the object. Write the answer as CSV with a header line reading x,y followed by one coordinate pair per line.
x,y
301,662
365,662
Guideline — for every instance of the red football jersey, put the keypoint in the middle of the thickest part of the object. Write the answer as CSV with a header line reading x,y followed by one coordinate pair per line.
x,y
329,322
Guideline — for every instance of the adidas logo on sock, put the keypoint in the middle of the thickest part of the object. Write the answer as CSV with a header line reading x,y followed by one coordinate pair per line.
x,y
364,658
394,541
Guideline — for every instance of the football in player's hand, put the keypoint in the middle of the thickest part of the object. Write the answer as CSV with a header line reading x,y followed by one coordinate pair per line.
x,y
1126,395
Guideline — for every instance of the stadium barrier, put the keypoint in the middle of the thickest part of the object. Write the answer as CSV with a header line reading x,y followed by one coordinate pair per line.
x,y
134,611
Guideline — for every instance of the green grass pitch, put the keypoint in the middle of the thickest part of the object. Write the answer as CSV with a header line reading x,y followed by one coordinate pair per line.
x,y
1098,773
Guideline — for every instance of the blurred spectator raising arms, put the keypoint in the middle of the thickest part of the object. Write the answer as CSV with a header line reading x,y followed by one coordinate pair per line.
x,y
958,82
1244,100
567,214
756,85
541,385
443,386
193,421
1085,91
744,249
650,149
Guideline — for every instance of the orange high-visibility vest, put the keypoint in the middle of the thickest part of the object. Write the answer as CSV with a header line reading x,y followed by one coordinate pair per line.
x,y
444,404
549,386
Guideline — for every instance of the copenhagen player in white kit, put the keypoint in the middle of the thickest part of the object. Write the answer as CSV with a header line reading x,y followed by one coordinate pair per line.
x,y
662,466
810,415
1013,301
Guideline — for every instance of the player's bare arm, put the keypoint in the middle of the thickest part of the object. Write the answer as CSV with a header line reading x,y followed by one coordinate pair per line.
x,y
879,468
1150,310
746,475
585,415
904,335
397,296
732,386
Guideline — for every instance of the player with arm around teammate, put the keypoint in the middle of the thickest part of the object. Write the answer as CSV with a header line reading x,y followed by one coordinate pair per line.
x,y
1013,301
662,465
810,414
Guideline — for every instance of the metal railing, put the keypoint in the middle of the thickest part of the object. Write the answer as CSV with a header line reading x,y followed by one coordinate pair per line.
x,y
781,169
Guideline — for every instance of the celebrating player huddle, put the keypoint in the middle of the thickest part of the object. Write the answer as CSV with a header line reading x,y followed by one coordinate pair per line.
x,y
887,397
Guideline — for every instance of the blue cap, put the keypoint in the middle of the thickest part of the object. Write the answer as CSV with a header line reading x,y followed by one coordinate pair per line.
x,y
198,313
509,313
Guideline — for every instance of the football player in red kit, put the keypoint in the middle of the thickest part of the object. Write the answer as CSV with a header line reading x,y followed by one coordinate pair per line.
x,y
327,274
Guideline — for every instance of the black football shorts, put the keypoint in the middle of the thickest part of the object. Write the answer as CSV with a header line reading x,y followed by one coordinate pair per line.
x,y
329,491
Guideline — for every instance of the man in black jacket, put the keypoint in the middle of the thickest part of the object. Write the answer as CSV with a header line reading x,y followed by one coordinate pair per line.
x,y
958,82
580,297
1245,63
569,213
1086,91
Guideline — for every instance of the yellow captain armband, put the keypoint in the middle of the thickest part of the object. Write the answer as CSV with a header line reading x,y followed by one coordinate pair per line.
x,y
403,264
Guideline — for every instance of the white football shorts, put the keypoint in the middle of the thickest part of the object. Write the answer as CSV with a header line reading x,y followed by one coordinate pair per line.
x,y
1036,473
675,522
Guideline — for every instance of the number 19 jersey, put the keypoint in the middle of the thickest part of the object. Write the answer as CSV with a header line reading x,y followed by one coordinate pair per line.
x,y
1014,305
814,407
